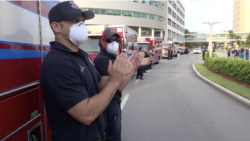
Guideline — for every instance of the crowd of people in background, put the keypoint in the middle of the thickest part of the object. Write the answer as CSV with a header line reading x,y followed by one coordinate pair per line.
x,y
240,52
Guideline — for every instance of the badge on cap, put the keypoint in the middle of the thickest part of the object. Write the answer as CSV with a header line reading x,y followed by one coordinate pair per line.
x,y
74,5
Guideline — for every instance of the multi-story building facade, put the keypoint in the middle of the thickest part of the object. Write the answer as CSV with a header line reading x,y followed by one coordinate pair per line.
x,y
148,18
241,14
175,20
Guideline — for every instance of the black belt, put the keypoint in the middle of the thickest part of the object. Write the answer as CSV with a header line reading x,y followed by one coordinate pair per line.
x,y
102,138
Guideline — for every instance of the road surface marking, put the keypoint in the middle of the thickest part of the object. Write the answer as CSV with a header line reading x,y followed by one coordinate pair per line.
x,y
124,101
137,80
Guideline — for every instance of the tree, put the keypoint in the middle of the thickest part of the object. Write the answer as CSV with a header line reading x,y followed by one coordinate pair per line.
x,y
238,39
231,35
187,31
248,39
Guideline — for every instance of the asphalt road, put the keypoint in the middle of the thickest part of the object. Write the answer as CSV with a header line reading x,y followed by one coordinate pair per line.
x,y
173,104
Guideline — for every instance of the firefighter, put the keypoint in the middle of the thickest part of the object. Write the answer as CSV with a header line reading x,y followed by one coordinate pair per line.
x,y
169,53
109,46
74,93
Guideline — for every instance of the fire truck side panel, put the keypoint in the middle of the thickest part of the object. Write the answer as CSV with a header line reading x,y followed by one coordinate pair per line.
x,y
21,101
20,106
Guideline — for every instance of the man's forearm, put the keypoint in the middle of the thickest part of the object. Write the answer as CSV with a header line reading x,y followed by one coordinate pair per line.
x,y
103,82
98,103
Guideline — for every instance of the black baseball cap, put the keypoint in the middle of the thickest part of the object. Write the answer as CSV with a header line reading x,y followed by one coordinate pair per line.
x,y
68,10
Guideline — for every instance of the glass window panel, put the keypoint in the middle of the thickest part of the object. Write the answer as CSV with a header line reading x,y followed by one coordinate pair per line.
x,y
146,15
97,11
119,12
84,9
92,10
115,12
130,14
143,1
103,11
156,17
109,12
139,15
147,2
135,14
125,13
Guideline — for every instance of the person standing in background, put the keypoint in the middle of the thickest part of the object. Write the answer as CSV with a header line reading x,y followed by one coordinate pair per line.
x,y
178,54
233,53
237,52
228,52
247,53
242,51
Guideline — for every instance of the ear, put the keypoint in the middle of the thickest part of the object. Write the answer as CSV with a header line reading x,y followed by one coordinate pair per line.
x,y
56,27
104,43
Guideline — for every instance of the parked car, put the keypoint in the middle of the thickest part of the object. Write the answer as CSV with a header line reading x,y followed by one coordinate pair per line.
x,y
197,50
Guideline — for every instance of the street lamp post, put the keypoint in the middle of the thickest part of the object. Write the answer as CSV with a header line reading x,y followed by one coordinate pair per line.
x,y
210,38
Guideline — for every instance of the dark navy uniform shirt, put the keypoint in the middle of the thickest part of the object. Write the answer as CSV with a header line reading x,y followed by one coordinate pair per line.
x,y
66,79
101,63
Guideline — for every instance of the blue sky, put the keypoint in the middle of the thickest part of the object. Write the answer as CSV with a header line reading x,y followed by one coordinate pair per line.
x,y
198,11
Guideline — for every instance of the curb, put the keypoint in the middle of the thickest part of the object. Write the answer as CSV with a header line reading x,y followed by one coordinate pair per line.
x,y
230,93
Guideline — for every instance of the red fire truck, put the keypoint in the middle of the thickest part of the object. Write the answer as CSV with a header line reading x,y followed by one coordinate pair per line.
x,y
153,44
25,34
128,40
166,45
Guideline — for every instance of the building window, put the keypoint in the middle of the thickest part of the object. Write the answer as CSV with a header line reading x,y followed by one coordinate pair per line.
x,y
97,11
151,16
92,10
169,10
139,15
84,9
146,31
135,14
125,13
130,14
103,11
109,12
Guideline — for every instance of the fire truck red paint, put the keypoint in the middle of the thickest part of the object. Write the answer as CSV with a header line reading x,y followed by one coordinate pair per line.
x,y
23,46
154,44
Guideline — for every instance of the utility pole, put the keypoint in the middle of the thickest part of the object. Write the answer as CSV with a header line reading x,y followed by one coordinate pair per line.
x,y
210,38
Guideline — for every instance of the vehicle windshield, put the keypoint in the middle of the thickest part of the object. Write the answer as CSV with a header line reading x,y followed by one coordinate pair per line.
x,y
91,45
143,45
165,45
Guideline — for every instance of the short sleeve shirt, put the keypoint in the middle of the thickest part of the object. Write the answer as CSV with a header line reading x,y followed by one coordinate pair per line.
x,y
101,63
68,78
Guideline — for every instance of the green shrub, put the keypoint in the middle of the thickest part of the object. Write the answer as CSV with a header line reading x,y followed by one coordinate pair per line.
x,y
238,69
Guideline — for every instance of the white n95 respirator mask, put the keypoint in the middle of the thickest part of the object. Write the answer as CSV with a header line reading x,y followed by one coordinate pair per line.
x,y
112,48
78,33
